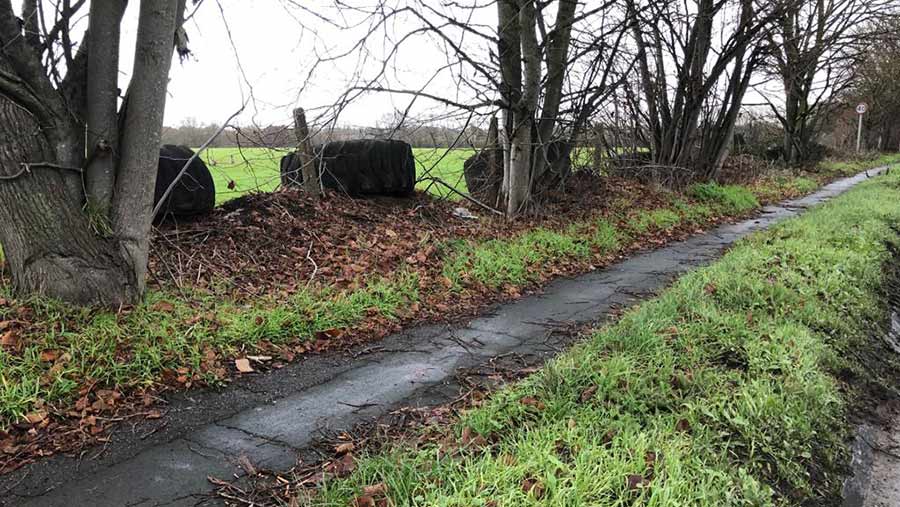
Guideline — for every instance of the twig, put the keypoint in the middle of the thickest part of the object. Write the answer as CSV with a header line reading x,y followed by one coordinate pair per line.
x,y
880,449
154,430
27,166
315,266
187,164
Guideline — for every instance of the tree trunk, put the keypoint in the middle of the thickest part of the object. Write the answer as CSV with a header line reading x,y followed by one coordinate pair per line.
x,y
520,175
49,246
132,208
102,104
557,63
519,169
53,247
516,164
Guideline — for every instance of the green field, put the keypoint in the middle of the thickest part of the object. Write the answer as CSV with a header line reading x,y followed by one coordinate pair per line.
x,y
257,169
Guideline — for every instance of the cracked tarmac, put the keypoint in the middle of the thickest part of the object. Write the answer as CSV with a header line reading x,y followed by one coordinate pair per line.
x,y
270,419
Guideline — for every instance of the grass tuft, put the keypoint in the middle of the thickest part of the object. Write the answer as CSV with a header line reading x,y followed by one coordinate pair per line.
x,y
732,199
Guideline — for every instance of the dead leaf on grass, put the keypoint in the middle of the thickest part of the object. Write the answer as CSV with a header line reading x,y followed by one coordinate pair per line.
x,y
344,448
588,393
470,438
533,487
342,467
36,417
530,401
683,425
10,339
163,306
363,501
375,489
49,355
635,481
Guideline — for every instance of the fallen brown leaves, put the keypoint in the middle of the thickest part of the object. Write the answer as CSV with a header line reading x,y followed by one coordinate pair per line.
x,y
533,487
51,429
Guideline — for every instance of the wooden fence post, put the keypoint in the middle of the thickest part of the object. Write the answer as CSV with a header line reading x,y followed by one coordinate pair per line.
x,y
305,153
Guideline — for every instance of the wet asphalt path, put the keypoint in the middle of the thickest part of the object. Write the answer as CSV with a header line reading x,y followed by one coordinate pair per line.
x,y
271,418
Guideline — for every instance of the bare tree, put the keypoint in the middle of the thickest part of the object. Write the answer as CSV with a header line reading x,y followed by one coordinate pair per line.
x,y
77,171
692,81
877,83
817,46
508,57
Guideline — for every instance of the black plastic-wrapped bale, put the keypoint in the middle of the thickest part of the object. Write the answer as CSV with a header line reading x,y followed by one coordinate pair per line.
x,y
359,167
291,175
195,192
484,175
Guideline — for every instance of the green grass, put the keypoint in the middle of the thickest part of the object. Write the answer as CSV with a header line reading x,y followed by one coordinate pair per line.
x,y
443,164
853,166
168,333
731,199
655,220
719,392
251,169
519,261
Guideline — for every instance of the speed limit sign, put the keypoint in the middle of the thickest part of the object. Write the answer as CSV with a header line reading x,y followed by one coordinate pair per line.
x,y
860,110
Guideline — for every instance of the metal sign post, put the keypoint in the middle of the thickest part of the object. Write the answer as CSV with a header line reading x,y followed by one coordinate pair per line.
x,y
860,110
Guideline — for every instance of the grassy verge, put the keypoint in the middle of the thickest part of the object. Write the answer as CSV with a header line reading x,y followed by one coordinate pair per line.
x,y
720,392
169,337
55,357
853,166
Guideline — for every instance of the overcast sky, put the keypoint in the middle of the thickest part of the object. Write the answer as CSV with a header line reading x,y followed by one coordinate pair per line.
x,y
261,52
271,55
275,43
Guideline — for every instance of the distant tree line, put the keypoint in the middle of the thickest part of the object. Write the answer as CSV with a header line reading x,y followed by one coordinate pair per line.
x,y
192,133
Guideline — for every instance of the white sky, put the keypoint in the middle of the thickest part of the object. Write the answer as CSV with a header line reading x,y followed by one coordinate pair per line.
x,y
271,56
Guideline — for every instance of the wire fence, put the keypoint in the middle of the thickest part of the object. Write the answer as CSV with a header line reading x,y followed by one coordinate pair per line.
x,y
239,171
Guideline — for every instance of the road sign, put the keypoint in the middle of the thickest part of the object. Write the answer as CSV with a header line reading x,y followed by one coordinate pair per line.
x,y
860,110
